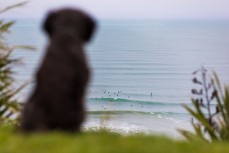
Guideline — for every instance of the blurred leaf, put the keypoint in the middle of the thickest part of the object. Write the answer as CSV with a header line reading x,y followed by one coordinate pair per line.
x,y
24,47
13,6
198,131
5,27
195,80
200,117
216,78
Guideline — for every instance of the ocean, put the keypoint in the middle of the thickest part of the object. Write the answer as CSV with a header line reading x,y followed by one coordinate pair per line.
x,y
141,70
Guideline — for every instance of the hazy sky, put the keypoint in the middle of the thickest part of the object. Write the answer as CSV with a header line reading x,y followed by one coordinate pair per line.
x,y
133,9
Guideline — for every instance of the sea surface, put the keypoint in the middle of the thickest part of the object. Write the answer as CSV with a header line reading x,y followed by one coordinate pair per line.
x,y
141,70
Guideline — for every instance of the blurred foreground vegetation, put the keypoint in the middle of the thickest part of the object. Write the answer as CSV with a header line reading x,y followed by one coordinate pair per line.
x,y
100,142
210,108
9,105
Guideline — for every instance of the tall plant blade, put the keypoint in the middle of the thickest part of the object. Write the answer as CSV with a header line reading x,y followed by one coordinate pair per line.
x,y
202,120
226,101
13,6
31,48
5,27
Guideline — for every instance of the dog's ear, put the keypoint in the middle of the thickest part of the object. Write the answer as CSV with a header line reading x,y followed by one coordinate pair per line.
x,y
49,22
89,28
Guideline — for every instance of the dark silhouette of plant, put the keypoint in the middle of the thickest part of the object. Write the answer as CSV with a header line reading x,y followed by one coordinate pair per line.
x,y
211,108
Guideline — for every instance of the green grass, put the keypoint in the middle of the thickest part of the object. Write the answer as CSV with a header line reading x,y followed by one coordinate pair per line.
x,y
100,142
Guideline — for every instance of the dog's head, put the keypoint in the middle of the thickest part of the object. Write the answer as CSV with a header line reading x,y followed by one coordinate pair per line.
x,y
71,21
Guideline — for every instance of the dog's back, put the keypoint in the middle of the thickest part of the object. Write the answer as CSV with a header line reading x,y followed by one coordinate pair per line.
x,y
61,81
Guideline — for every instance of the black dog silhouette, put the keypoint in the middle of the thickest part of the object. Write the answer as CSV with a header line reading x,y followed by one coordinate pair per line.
x,y
57,102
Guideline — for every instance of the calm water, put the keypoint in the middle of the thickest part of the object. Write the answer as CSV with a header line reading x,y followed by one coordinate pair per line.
x,y
141,69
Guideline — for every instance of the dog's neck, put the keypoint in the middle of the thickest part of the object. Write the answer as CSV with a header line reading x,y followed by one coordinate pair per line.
x,y
66,37
67,33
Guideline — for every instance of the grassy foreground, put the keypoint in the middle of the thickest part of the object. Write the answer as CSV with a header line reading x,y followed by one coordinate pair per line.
x,y
100,142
